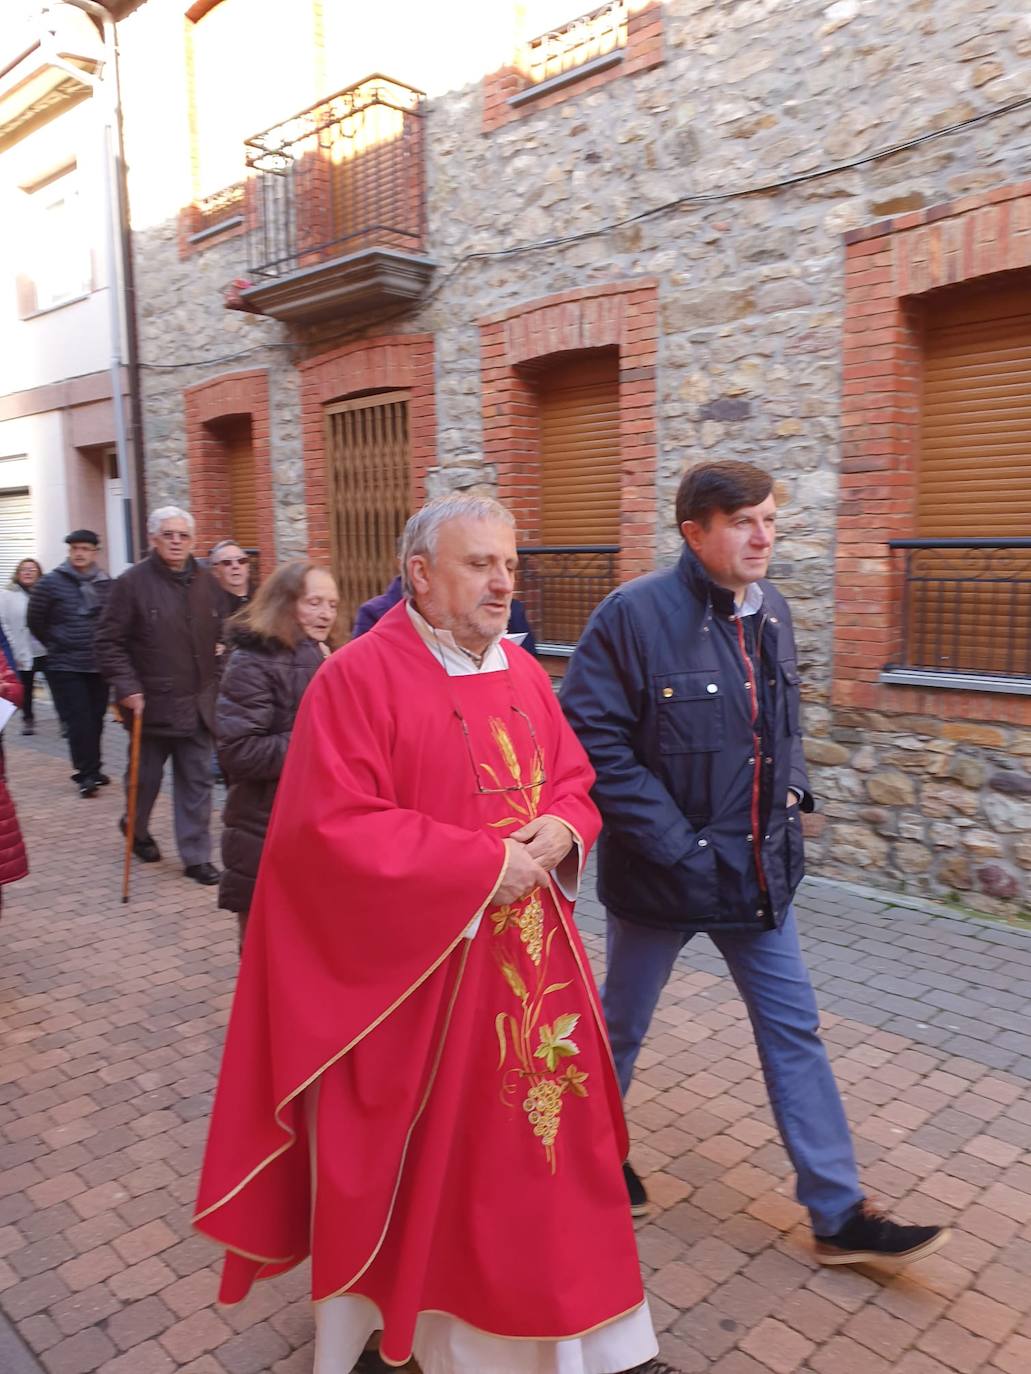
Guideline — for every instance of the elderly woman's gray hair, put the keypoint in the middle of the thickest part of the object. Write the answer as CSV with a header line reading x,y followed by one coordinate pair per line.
x,y
158,517
420,534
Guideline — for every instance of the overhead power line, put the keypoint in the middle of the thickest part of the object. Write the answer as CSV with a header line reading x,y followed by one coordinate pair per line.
x,y
700,198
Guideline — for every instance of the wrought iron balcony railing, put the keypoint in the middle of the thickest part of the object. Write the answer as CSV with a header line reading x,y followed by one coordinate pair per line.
x,y
341,202
560,585
966,614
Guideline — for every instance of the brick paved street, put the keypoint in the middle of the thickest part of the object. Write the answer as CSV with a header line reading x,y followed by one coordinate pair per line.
x,y
110,1023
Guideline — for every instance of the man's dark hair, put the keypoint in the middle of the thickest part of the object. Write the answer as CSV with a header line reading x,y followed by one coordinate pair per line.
x,y
725,486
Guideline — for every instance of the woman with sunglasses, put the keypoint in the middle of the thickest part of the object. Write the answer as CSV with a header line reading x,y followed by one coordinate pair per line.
x,y
231,567
276,644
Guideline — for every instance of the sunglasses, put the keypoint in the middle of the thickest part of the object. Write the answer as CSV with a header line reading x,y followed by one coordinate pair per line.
x,y
232,562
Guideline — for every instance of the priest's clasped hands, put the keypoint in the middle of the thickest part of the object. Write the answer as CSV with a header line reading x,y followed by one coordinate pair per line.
x,y
533,851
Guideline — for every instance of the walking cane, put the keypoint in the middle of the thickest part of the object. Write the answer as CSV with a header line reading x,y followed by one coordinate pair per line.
x,y
130,810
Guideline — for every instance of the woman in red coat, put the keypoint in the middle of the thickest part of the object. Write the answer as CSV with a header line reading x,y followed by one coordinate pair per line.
x,y
13,863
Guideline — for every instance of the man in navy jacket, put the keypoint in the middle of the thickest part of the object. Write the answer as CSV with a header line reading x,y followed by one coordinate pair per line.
x,y
684,690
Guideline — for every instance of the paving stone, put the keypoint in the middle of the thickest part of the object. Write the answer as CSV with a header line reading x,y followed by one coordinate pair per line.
x,y
103,1118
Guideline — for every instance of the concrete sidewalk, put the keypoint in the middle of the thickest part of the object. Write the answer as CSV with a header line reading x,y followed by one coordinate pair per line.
x,y
110,1024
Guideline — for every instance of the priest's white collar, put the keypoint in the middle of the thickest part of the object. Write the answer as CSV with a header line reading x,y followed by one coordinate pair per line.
x,y
456,661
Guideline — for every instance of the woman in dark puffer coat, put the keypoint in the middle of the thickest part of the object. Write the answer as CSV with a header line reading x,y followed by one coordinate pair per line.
x,y
13,864
276,644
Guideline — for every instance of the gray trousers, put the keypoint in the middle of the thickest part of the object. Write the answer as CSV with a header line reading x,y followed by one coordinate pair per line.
x,y
191,790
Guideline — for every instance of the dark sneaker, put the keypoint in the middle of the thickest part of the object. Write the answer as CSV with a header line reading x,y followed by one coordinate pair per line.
x,y
869,1237
652,1367
145,849
102,779
202,873
635,1192
88,787
28,727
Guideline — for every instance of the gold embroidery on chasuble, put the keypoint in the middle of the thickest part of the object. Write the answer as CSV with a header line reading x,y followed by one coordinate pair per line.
x,y
537,1056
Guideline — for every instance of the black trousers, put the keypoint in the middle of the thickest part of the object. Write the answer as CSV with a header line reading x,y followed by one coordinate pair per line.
x,y
81,700
28,678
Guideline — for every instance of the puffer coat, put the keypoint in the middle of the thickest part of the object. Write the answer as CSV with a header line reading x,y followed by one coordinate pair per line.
x,y
261,689
13,863
64,621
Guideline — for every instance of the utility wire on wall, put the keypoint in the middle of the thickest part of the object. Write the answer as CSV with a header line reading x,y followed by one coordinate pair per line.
x,y
701,198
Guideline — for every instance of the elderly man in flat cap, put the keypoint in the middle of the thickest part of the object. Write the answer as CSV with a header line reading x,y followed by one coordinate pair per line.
x,y
64,609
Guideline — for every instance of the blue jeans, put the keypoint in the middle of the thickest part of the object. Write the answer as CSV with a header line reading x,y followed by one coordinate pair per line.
x,y
774,985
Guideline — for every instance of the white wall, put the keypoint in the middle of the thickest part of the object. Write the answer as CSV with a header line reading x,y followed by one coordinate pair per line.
x,y
42,469
68,340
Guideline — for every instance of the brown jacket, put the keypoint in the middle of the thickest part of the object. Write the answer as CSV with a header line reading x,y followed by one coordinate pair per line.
x,y
158,635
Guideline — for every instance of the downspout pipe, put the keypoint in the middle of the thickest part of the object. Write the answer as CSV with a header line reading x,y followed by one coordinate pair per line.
x,y
106,91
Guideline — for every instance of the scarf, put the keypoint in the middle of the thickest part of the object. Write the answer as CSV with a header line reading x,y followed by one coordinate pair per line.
x,y
89,602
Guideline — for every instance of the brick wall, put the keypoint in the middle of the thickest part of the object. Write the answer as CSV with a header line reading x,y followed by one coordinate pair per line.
x,y
402,362
888,267
240,393
622,315
643,51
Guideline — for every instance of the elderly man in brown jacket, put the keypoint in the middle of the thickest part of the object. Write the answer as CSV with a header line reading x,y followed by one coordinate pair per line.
x,y
158,644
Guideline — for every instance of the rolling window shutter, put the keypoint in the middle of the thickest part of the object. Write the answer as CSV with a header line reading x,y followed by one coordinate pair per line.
x,y
970,609
243,494
580,456
975,450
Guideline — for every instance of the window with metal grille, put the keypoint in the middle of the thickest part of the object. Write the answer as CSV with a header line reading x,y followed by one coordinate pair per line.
x,y
573,568
369,487
969,603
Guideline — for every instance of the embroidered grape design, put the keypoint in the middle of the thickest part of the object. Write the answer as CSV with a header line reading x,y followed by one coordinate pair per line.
x,y
543,1104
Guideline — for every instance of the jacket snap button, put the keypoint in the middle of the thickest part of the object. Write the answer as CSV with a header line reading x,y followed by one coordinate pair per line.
x,y
760,913
749,838
773,620
768,759
667,691
751,760
766,837
712,687
703,844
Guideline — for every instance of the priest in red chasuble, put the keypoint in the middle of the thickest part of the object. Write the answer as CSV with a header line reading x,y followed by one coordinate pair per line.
x,y
417,1089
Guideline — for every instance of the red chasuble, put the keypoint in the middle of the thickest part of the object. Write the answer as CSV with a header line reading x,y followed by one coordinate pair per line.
x,y
469,1130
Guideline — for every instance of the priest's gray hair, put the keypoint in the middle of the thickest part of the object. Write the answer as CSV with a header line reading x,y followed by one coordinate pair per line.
x,y
158,517
420,534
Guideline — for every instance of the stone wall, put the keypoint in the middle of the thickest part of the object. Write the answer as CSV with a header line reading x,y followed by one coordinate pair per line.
x,y
922,804
751,106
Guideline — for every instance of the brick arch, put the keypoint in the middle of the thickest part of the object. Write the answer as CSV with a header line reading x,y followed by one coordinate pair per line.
x,y
393,362
235,394
623,315
889,266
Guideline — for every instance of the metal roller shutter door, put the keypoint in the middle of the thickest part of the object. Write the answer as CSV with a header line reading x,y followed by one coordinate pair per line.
x,y
16,530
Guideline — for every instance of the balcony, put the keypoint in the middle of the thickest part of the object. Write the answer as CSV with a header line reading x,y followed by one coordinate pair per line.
x,y
966,615
560,585
588,44
341,207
